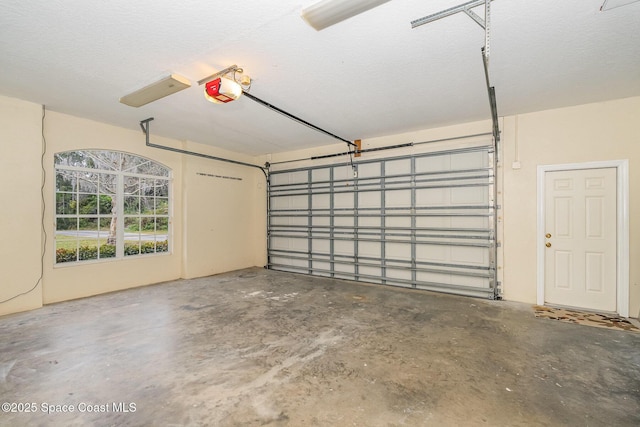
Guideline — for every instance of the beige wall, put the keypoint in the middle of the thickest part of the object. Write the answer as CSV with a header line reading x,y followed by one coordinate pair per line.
x,y
217,224
20,216
592,132
224,217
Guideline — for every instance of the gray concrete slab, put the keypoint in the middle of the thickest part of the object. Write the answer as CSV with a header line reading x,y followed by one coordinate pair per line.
x,y
257,347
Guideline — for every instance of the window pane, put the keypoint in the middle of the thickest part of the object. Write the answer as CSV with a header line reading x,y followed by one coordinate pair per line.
x,y
66,204
105,224
88,250
147,187
131,225
65,180
106,204
162,246
131,248
162,188
87,204
89,225
131,185
161,234
88,182
105,160
162,225
147,224
108,183
107,251
162,206
66,250
148,247
131,205
147,205
67,224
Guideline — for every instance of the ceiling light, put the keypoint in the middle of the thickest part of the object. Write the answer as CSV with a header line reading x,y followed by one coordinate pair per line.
x,y
166,86
220,89
328,12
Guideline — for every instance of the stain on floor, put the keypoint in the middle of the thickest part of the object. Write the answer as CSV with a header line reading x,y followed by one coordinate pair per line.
x,y
585,318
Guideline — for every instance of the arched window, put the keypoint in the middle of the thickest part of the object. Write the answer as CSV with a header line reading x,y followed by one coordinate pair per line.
x,y
110,204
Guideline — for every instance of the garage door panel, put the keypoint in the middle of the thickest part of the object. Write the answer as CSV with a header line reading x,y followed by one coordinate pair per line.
x,y
433,164
370,221
469,255
397,167
433,222
292,243
319,175
321,201
424,221
372,274
397,198
472,160
476,282
301,221
369,249
343,200
343,221
369,199
433,253
397,273
343,247
371,170
398,250
321,221
398,222
432,196
469,195
478,222
321,268
431,277
321,246
344,268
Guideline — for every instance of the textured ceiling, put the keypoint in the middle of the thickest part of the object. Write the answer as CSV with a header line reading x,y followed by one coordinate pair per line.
x,y
371,75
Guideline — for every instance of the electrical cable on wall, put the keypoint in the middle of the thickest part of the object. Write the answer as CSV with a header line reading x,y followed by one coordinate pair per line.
x,y
44,231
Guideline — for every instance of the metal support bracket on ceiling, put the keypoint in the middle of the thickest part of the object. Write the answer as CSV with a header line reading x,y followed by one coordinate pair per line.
x,y
222,73
466,9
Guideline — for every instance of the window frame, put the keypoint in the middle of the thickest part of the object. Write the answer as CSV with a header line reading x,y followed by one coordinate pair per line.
x,y
122,244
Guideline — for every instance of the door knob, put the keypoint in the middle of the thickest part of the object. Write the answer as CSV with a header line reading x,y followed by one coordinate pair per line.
x,y
548,235
548,244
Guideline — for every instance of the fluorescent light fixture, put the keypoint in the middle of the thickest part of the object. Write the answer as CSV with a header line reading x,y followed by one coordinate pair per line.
x,y
171,84
612,4
325,13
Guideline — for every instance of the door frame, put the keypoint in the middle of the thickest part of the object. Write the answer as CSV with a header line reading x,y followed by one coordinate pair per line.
x,y
622,231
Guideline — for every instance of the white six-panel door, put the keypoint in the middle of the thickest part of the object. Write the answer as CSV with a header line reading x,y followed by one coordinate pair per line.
x,y
580,238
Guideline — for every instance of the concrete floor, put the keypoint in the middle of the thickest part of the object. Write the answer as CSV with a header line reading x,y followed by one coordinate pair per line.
x,y
257,347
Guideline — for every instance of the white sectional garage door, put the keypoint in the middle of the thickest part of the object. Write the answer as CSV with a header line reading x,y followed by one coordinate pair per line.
x,y
423,221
